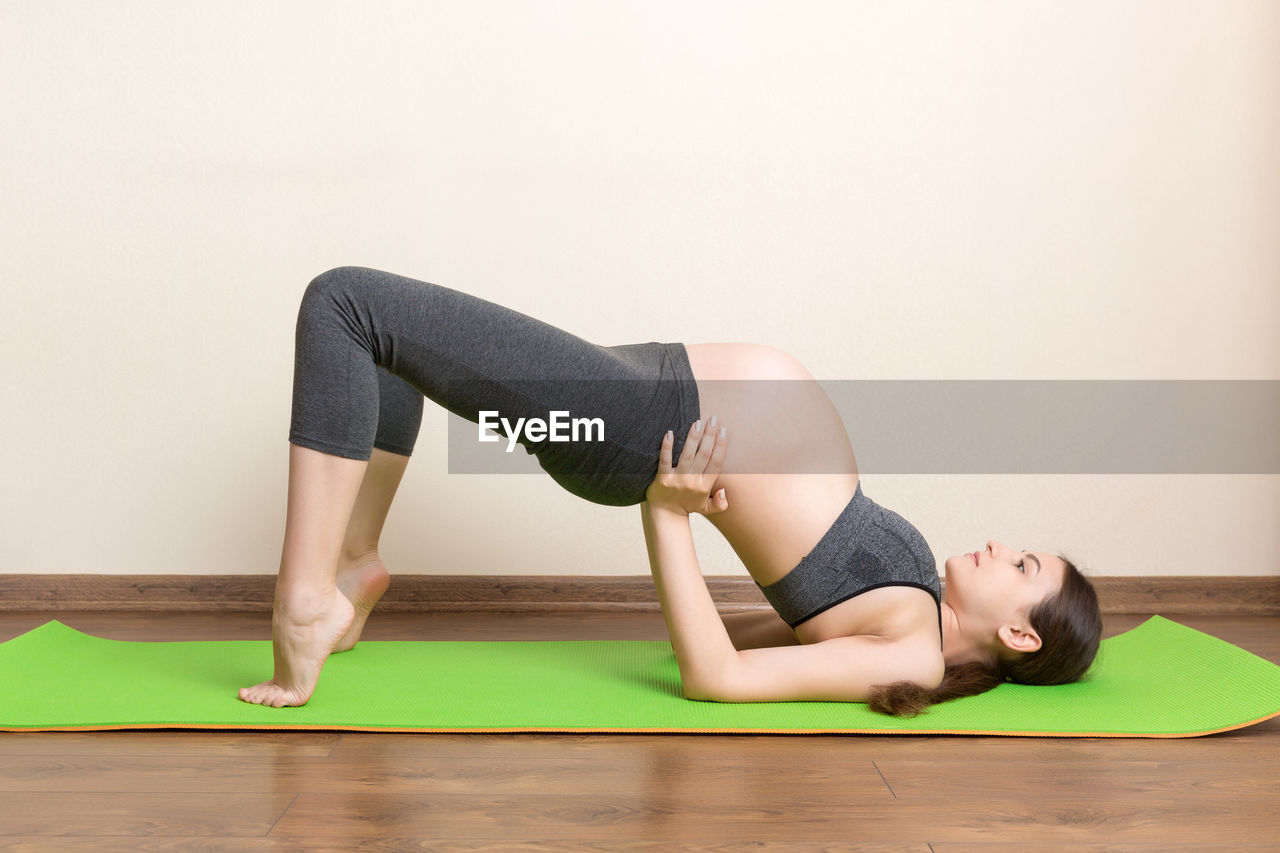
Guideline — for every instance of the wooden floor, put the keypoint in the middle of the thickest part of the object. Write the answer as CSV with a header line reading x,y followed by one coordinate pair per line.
x,y
260,791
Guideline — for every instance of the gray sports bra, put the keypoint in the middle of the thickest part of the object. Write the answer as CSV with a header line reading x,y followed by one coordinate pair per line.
x,y
865,548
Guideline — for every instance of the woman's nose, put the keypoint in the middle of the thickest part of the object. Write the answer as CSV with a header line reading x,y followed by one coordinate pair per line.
x,y
995,547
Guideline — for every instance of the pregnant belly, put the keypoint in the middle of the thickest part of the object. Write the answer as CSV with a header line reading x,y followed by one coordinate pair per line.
x,y
789,468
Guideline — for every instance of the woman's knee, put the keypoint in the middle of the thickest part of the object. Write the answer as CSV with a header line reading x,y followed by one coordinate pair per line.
x,y
332,283
332,289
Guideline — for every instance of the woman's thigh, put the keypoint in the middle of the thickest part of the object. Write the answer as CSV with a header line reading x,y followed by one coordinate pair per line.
x,y
593,416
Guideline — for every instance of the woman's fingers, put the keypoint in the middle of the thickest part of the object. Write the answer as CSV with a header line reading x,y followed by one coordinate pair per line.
x,y
712,441
718,451
716,502
701,460
690,450
704,449
664,453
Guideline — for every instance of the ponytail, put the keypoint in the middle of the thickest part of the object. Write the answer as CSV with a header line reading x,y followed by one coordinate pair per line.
x,y
907,699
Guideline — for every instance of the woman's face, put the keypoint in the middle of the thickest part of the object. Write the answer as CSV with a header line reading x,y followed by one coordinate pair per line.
x,y
995,589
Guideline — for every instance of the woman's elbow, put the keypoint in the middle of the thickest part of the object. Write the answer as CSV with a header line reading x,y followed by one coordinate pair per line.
x,y
712,680
707,686
718,688
699,690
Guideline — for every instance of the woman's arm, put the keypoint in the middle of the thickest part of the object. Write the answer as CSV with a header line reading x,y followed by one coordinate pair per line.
x,y
703,649
840,669
843,669
758,629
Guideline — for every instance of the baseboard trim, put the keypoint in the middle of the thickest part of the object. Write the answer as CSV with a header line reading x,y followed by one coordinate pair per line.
x,y
1201,595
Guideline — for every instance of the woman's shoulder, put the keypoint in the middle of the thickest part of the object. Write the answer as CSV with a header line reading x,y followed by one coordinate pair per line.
x,y
893,628
921,659
914,657
893,614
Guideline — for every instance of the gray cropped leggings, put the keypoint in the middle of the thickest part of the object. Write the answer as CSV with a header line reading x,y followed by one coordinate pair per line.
x,y
370,345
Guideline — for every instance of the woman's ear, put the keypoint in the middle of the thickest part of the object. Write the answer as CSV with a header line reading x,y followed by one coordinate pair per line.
x,y
1019,638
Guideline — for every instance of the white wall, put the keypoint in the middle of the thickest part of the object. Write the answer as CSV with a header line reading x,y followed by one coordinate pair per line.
x,y
1095,187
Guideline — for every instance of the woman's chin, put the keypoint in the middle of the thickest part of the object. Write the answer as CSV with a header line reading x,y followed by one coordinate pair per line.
x,y
955,567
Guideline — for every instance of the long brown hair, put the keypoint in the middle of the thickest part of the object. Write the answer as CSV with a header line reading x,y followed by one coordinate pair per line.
x,y
1070,626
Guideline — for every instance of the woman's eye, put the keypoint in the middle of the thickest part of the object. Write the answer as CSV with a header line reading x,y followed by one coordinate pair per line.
x,y
1022,567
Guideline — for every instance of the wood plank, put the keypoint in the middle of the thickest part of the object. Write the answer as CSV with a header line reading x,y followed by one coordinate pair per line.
x,y
1206,595
1258,846
1198,595
629,777
155,745
1217,820
1064,780
407,593
819,750
157,813
141,625
102,844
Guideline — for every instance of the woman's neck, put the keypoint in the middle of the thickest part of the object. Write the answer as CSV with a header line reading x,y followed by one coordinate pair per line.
x,y
957,645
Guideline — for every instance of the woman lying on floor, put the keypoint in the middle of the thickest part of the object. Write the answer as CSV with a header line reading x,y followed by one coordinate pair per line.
x,y
859,611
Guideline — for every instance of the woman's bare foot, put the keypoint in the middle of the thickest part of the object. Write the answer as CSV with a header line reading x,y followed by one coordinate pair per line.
x,y
363,583
302,637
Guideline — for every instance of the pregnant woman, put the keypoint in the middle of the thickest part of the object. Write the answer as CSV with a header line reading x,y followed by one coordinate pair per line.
x,y
858,610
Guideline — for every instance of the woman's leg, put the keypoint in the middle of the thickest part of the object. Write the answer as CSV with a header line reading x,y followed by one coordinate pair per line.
x,y
330,572
468,355
362,576
310,614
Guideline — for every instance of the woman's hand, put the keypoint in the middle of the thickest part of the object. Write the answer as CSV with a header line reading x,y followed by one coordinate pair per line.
x,y
686,488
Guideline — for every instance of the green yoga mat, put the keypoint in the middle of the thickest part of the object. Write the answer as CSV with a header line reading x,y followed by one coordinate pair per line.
x,y
1160,679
